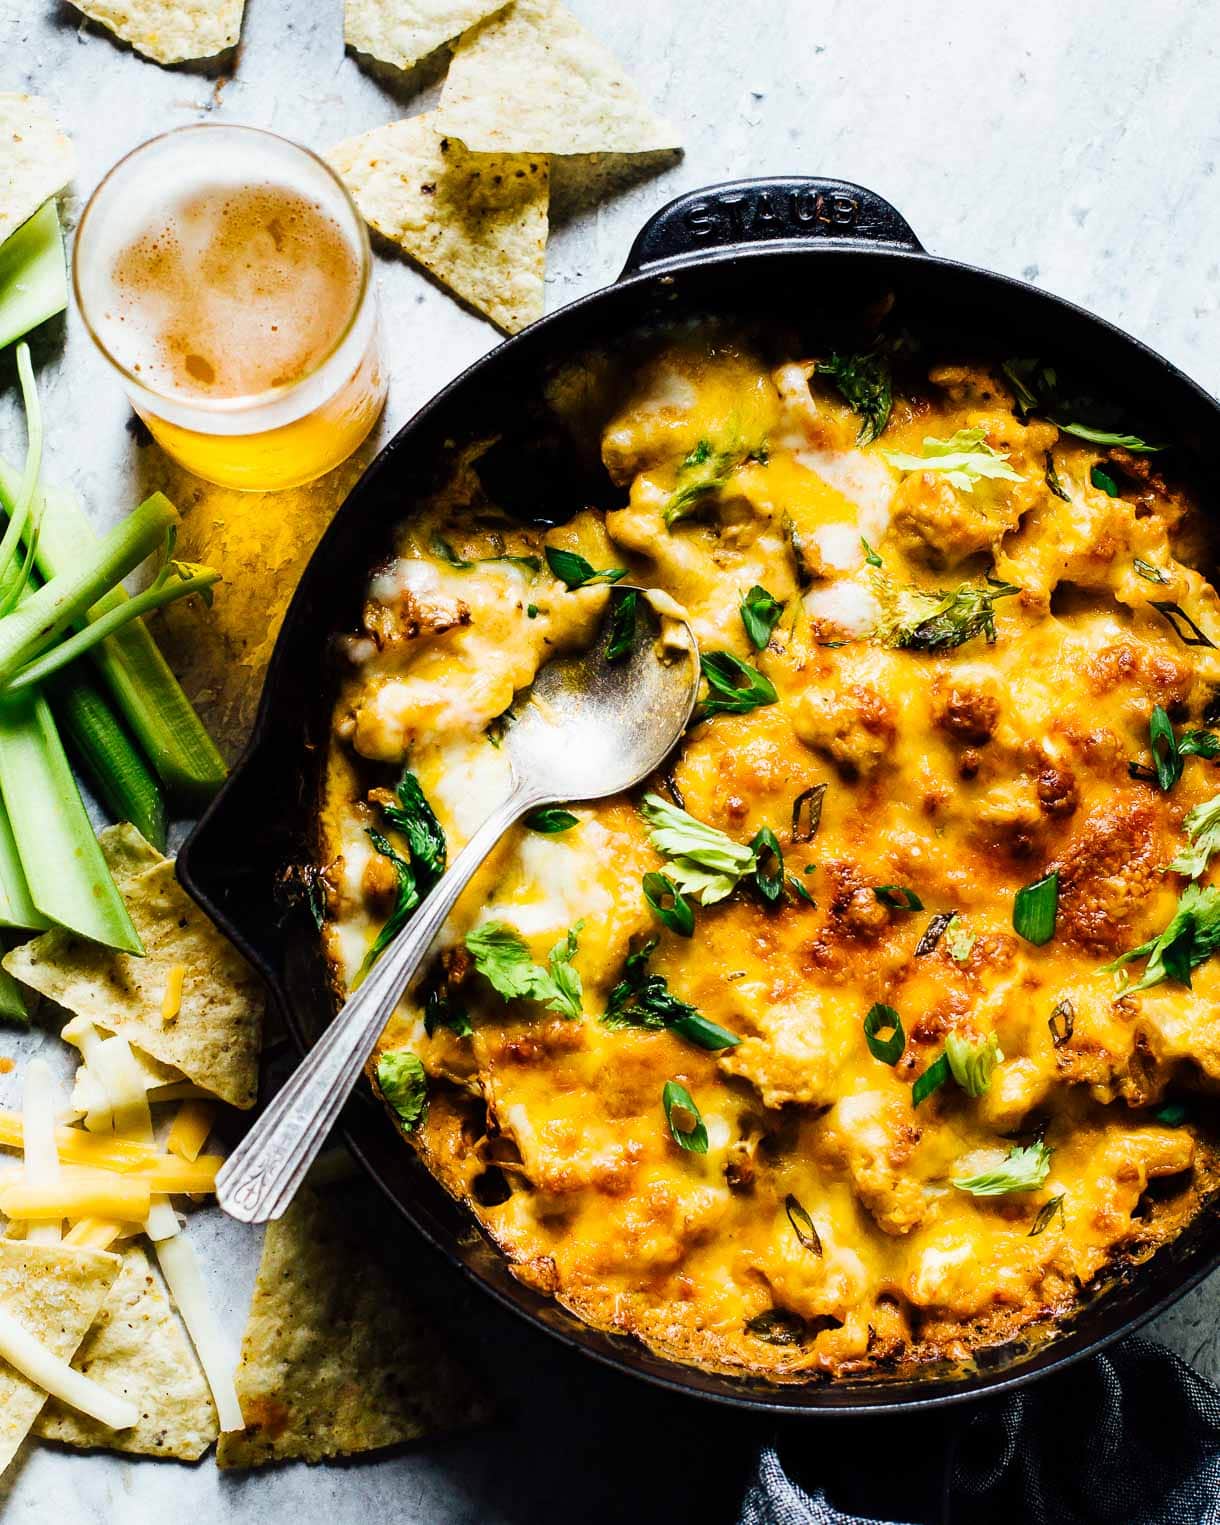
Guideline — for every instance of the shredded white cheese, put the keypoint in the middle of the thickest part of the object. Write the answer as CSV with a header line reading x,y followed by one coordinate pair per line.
x,y
185,1282
35,1362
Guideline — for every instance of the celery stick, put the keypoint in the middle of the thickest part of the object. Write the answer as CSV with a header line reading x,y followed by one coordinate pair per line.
x,y
72,647
117,771
12,1005
64,866
17,909
64,599
33,280
159,713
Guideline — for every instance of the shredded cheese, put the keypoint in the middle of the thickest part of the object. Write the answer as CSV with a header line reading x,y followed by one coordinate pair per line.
x,y
94,1233
171,1001
41,1165
35,1362
185,1282
79,1193
132,1119
190,1130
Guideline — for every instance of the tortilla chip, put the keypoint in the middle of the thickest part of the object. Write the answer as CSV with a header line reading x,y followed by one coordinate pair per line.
x,y
336,1357
214,1039
36,159
478,222
170,31
138,1350
401,32
127,852
55,1294
530,79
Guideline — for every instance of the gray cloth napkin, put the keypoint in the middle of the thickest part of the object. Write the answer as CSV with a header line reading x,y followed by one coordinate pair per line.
x,y
1131,1437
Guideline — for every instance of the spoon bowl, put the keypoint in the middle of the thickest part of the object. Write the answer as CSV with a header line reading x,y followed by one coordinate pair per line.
x,y
590,725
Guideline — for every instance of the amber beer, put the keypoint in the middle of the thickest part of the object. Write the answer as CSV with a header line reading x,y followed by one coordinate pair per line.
x,y
225,274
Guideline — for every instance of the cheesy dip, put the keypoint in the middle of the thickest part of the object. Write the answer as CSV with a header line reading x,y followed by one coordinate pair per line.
x,y
872,1031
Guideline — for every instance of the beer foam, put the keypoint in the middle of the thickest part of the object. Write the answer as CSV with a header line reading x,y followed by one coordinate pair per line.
x,y
220,277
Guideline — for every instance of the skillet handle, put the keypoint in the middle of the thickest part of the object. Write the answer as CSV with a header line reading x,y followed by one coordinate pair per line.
x,y
791,210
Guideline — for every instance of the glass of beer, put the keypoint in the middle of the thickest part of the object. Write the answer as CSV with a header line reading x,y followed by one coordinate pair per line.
x,y
225,274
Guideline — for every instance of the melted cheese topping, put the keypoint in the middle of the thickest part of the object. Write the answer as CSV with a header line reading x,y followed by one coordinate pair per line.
x,y
963,774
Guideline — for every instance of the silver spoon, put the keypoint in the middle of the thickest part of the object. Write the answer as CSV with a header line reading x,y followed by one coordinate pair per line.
x,y
587,728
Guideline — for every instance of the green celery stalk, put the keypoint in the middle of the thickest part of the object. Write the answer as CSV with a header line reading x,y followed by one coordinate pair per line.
x,y
152,701
64,867
73,647
67,597
12,1005
33,280
17,908
117,771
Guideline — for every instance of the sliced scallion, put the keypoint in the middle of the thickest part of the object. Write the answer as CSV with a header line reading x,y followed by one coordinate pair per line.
x,y
1034,909
883,1033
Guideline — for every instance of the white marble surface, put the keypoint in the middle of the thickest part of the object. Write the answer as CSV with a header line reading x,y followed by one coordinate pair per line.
x,y
1072,145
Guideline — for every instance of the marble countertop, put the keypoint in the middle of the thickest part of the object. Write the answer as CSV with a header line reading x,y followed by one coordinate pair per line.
x,y
1071,146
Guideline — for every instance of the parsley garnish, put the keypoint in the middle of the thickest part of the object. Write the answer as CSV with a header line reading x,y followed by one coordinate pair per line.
x,y
1202,825
443,551
760,613
503,957
404,1084
622,627
574,571
916,620
866,387
1024,1169
703,472
734,687
645,1000
550,821
1191,937
702,861
964,459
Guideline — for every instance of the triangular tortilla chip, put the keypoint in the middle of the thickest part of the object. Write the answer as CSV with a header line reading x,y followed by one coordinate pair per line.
x,y
214,1038
170,31
530,79
138,1350
336,1357
127,853
401,32
36,159
478,222
54,1294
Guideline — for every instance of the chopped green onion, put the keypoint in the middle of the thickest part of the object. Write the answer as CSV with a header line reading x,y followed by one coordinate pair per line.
x,y
1148,572
1172,1115
883,1033
685,1121
932,1078
870,556
1178,617
802,1225
1046,1216
807,813
768,865
898,897
1062,1022
797,888
1034,909
1052,479
668,904
933,933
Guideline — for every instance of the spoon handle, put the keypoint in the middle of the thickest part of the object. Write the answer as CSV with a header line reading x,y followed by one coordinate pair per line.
x,y
261,1176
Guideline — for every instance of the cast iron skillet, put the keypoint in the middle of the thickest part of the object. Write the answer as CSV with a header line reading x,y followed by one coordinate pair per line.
x,y
815,249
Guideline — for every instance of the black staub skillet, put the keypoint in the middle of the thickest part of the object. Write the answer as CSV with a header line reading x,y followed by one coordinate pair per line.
x,y
802,252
